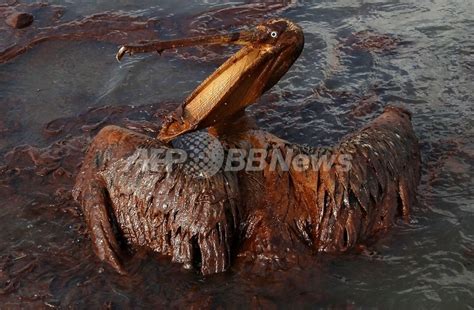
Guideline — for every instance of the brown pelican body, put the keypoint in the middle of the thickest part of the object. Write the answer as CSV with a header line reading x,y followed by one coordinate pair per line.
x,y
327,200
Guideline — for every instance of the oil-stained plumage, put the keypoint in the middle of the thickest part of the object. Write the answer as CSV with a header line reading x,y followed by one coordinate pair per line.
x,y
269,215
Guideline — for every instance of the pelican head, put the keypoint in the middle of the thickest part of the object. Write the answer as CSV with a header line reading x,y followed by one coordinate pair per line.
x,y
268,51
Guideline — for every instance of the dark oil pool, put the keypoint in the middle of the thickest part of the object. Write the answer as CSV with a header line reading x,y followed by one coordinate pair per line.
x,y
55,96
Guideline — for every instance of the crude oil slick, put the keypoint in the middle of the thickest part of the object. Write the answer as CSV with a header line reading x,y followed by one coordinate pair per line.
x,y
358,58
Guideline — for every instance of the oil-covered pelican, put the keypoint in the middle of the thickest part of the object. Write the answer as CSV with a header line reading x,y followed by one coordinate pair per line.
x,y
269,214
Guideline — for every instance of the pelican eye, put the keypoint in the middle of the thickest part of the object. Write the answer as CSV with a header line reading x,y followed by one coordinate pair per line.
x,y
273,34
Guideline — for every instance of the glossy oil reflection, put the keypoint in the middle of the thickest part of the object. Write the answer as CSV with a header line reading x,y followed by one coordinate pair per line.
x,y
358,58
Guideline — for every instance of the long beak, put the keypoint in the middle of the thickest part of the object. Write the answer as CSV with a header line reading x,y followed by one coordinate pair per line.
x,y
236,84
238,38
